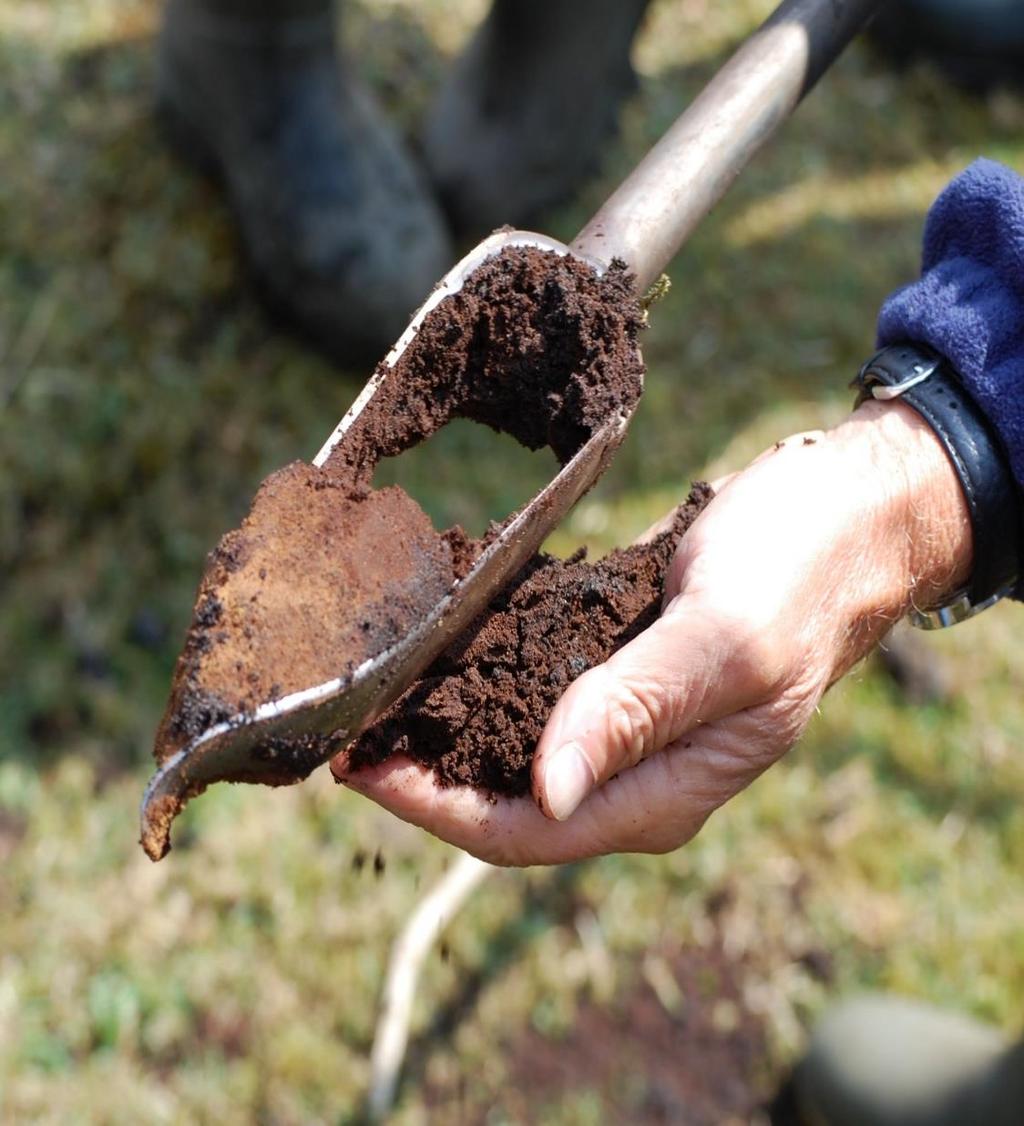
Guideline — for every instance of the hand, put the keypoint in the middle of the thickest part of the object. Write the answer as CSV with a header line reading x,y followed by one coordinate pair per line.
x,y
798,566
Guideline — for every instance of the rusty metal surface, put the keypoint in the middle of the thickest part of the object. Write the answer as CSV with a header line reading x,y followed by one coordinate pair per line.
x,y
688,171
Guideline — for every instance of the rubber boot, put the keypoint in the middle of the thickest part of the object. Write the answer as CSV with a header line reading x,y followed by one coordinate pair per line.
x,y
340,228
521,121
977,43
886,1061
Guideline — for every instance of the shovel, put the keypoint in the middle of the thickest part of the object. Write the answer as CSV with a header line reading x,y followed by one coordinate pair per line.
x,y
643,223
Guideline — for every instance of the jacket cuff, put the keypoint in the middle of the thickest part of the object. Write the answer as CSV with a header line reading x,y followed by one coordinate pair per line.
x,y
968,304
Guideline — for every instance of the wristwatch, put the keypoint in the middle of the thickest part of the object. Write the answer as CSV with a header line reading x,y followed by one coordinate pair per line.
x,y
927,382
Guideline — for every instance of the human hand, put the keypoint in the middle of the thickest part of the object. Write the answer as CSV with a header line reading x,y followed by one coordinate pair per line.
x,y
797,567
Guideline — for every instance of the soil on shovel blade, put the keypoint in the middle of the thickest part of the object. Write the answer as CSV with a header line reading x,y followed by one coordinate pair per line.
x,y
326,572
476,714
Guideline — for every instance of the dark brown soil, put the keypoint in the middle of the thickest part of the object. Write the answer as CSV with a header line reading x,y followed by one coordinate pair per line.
x,y
534,345
325,572
476,714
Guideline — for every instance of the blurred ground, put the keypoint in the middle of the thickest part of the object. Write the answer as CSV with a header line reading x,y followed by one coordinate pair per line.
x,y
143,396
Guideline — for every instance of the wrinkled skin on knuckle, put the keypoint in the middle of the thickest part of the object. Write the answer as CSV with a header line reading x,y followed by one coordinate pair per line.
x,y
776,726
709,775
636,717
797,704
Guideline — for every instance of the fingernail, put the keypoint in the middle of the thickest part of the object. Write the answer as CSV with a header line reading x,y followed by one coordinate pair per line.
x,y
567,780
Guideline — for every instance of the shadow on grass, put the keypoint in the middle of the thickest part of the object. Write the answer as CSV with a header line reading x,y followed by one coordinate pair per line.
x,y
552,903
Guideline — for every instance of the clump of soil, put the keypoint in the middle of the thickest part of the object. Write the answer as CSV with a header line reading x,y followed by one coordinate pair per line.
x,y
476,714
325,572
534,345
319,577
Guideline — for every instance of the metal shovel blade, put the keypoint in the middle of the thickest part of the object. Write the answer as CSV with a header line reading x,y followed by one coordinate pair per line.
x,y
643,223
328,715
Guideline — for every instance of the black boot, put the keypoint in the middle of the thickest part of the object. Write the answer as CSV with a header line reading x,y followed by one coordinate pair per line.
x,y
887,1061
522,119
339,227
976,45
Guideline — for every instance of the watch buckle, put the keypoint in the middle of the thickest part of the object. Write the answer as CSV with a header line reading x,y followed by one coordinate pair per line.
x,y
871,384
959,609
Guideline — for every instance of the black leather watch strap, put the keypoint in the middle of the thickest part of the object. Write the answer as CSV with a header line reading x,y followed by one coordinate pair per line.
x,y
926,380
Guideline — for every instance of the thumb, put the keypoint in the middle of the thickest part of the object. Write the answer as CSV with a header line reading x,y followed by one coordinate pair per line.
x,y
646,696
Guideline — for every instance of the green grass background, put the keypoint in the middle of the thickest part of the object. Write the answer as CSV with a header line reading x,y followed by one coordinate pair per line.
x,y
142,398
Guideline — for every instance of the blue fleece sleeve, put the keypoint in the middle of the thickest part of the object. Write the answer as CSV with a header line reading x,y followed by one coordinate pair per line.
x,y
969,301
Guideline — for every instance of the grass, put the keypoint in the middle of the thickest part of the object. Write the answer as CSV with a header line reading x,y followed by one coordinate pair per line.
x,y
144,396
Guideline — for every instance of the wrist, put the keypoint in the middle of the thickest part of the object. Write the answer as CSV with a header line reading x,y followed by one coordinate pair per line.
x,y
922,527
923,379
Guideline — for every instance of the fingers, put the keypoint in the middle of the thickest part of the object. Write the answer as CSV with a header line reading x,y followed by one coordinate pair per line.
x,y
511,832
666,522
686,670
656,807
663,524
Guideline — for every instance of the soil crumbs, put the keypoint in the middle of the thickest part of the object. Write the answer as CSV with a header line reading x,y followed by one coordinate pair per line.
x,y
476,714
